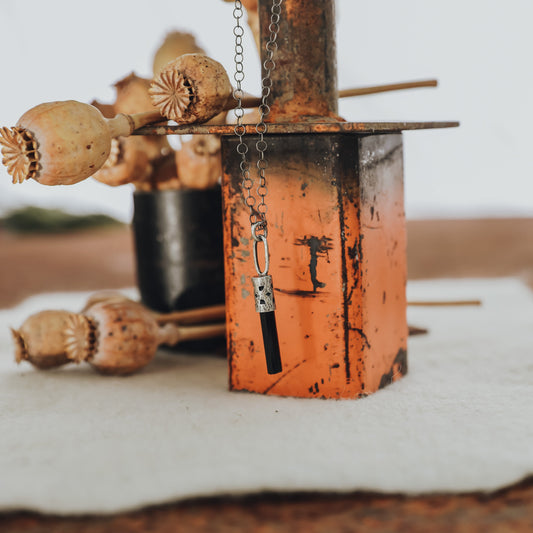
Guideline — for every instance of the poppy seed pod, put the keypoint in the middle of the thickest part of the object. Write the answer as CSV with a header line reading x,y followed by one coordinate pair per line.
x,y
128,162
53,338
176,44
198,162
127,336
115,335
191,89
62,143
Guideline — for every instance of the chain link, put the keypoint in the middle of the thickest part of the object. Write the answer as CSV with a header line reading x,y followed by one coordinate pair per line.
x,y
242,147
266,83
258,213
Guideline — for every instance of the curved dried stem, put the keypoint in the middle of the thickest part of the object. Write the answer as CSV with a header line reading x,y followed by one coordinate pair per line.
x,y
445,303
193,316
361,91
123,125
172,334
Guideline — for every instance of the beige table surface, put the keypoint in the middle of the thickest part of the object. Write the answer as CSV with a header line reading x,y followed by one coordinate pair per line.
x,y
436,249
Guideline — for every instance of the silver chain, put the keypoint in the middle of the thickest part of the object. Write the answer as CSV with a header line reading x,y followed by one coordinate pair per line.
x,y
258,213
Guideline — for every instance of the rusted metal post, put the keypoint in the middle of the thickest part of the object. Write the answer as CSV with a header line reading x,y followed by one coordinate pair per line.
x,y
336,230
304,82
337,237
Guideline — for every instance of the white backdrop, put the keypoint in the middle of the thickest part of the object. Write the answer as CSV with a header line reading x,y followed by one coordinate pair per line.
x,y
479,51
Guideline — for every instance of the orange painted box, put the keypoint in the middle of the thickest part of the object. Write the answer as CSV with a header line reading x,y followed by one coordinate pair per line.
x,y
336,232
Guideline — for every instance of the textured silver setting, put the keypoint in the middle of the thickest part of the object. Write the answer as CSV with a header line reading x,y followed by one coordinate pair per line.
x,y
263,294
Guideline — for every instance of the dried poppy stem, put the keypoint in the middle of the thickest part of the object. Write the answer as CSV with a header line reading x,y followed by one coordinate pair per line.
x,y
134,158
127,336
172,334
117,125
249,101
449,303
215,312
360,91
187,316
415,330
253,101
193,316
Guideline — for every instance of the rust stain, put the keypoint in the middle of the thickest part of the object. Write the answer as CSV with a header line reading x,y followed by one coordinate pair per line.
x,y
398,369
317,246
346,328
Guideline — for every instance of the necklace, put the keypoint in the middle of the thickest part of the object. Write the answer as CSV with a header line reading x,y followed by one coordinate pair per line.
x,y
262,283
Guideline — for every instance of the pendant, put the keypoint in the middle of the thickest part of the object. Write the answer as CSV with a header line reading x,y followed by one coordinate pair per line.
x,y
265,306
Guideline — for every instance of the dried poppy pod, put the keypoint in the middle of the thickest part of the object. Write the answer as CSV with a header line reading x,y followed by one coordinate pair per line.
x,y
108,110
176,44
163,177
53,338
114,334
104,296
129,161
128,334
132,95
61,143
192,88
198,161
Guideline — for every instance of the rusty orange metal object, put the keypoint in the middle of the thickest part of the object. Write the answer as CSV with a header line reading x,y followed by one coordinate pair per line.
x,y
336,228
304,82
337,234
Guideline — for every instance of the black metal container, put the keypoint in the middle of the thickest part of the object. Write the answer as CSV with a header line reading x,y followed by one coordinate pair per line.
x,y
178,245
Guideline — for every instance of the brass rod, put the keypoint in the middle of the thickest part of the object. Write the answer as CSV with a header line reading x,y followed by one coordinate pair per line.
x,y
360,91
217,312
449,303
254,101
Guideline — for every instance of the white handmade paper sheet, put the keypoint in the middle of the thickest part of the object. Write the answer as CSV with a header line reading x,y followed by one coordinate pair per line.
x,y
72,441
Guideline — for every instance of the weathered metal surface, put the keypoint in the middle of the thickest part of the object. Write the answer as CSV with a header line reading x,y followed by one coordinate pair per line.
x,y
337,242
178,248
296,128
304,82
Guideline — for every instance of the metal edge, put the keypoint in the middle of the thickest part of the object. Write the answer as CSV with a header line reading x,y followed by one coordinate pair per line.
x,y
297,127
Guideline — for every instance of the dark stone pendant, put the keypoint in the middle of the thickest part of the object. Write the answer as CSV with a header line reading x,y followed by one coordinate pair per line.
x,y
265,306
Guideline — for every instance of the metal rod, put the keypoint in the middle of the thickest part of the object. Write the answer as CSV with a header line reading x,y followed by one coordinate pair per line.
x,y
254,101
360,91
217,312
302,127
449,303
